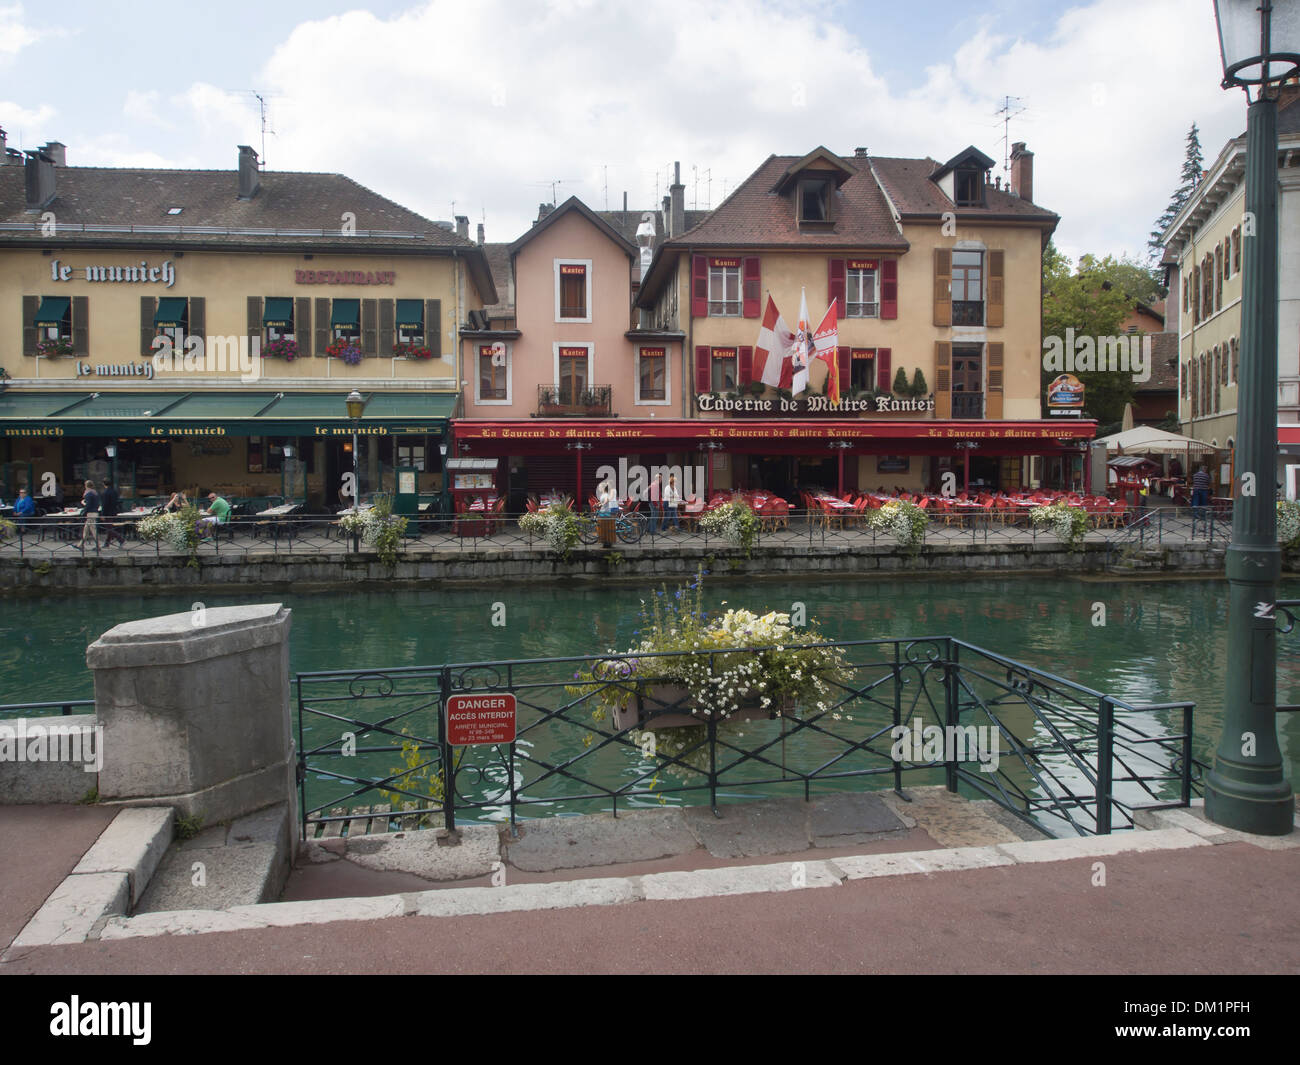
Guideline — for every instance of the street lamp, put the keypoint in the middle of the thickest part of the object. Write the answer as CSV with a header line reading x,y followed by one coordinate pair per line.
x,y
446,489
286,453
111,451
1247,789
356,404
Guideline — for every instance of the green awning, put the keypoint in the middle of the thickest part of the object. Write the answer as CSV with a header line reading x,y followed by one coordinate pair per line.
x,y
171,310
410,314
346,312
53,310
278,312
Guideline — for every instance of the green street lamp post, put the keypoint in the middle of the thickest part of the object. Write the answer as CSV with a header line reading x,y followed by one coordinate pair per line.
x,y
356,404
1247,789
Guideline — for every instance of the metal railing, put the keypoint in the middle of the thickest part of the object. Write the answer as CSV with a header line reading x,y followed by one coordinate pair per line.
x,y
1059,755
62,708
582,399
968,405
1158,526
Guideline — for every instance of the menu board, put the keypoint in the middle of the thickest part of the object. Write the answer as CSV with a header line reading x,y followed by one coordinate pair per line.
x,y
475,480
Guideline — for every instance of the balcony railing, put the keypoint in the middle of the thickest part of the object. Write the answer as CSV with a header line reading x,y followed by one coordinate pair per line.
x,y
967,312
968,404
562,400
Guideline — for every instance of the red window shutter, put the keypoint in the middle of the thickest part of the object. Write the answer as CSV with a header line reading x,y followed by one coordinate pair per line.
x,y
703,369
699,286
752,285
835,285
746,368
889,288
846,368
884,374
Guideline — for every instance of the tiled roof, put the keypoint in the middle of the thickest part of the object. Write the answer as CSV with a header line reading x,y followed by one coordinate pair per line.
x,y
909,186
1164,364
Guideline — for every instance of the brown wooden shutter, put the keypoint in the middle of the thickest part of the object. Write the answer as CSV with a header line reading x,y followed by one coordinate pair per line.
x,y
255,318
387,319
370,328
1218,279
995,310
433,327
302,324
845,361
751,275
31,304
993,400
80,325
699,286
703,369
745,371
884,370
322,331
198,317
835,285
942,286
889,289
942,380
147,308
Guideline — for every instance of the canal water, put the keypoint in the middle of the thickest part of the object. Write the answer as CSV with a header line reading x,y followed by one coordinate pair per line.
x,y
1160,641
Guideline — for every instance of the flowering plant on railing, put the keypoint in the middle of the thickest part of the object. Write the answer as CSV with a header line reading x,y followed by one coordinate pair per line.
x,y
1069,523
558,524
735,521
283,348
345,350
376,528
903,520
1288,523
179,530
51,348
411,351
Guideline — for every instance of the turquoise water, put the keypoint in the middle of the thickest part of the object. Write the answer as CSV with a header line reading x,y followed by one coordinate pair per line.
x,y
1161,641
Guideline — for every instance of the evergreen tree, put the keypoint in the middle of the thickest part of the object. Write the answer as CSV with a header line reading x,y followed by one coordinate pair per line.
x,y
919,387
900,382
1193,166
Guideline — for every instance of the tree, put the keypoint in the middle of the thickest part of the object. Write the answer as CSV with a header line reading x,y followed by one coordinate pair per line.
x,y
919,386
900,382
1188,179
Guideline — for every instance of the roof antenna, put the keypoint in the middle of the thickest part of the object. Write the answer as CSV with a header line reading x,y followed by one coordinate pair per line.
x,y
1007,115
262,108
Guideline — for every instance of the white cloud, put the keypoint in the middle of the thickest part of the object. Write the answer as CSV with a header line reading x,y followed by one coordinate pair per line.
x,y
15,33
143,107
23,124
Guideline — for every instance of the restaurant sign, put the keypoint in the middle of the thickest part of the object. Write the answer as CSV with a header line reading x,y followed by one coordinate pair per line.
x,y
1065,396
707,401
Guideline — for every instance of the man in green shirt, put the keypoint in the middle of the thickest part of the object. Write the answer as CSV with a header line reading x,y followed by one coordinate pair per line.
x,y
218,513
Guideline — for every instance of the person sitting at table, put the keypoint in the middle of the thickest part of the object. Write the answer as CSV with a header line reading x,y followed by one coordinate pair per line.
x,y
90,508
24,507
177,501
110,506
217,513
672,501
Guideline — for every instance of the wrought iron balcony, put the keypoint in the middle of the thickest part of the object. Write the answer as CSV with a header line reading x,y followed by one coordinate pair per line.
x,y
565,400
967,312
968,405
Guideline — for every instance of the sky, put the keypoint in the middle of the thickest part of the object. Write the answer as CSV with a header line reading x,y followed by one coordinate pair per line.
x,y
487,108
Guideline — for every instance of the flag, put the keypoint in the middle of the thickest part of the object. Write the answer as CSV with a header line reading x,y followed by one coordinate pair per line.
x,y
775,342
802,353
825,342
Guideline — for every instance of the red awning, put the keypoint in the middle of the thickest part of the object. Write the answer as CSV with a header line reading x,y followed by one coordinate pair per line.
x,y
1288,434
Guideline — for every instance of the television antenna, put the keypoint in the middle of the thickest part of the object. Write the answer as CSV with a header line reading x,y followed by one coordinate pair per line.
x,y
262,108
552,184
1011,107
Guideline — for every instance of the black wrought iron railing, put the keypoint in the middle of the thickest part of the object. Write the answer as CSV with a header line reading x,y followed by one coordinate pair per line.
x,y
57,708
967,312
555,400
968,404
933,710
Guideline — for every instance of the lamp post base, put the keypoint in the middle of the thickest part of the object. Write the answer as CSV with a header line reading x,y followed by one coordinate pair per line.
x,y
1265,808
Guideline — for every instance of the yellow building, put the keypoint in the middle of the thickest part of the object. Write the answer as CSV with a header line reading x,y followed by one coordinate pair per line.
x,y
206,326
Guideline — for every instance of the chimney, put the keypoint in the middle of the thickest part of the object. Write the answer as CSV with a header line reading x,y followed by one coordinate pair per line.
x,y
677,192
249,178
480,234
1022,171
462,226
40,180
859,153
57,151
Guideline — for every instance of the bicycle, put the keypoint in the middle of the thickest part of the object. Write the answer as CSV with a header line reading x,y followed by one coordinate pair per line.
x,y
629,526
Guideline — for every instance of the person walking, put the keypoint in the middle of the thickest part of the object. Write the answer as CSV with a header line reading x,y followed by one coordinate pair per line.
x,y
672,503
656,493
110,506
90,508
1201,487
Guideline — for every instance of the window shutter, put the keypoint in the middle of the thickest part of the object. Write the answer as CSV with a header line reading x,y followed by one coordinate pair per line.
x,y
884,370
889,288
31,304
1218,280
147,309
324,307
255,317
993,401
81,325
995,308
302,323
1235,378
199,317
370,328
835,285
745,367
703,371
845,361
433,327
751,273
387,320
942,286
942,380
699,286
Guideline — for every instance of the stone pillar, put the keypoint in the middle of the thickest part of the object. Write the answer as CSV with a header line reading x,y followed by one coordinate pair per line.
x,y
196,712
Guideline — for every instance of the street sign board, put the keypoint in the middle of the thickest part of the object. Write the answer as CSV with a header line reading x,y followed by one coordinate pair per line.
x,y
485,718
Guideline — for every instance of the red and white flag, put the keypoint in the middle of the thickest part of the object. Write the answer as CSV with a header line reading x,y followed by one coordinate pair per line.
x,y
775,342
802,353
825,347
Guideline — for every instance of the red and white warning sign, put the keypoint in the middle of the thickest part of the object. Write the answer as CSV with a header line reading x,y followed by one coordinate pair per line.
x,y
480,719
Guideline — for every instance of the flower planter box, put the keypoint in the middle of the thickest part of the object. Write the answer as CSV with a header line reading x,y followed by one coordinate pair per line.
x,y
470,527
641,712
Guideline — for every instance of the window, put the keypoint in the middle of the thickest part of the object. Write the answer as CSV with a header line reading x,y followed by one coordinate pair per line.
x,y
410,322
492,367
53,320
651,375
172,319
862,370
573,374
410,452
862,289
967,288
814,200
724,287
573,290
1235,379
969,186
724,370
277,318
345,321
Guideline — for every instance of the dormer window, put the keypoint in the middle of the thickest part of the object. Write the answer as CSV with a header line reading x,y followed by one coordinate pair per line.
x,y
970,188
815,200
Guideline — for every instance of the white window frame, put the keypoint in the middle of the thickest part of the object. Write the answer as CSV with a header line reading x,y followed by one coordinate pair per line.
x,y
510,379
848,305
740,292
668,378
555,358
571,321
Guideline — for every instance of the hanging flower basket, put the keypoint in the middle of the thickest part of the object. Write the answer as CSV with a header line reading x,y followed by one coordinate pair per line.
x,y
345,350
671,706
281,349
53,349
412,351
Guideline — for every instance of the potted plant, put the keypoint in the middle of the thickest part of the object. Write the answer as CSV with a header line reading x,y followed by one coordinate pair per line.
x,y
1068,522
52,348
346,350
735,521
285,348
411,351
903,520
558,524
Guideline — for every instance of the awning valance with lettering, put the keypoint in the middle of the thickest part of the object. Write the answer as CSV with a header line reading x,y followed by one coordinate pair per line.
x,y
277,311
345,312
410,314
53,310
171,311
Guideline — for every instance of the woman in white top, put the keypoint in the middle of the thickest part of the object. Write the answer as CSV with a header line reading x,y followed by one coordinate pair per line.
x,y
672,501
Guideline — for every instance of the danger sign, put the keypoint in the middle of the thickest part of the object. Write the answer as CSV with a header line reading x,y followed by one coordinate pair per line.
x,y
480,719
